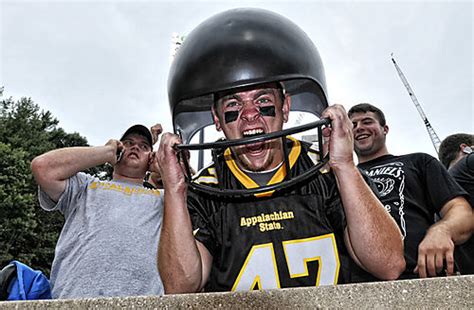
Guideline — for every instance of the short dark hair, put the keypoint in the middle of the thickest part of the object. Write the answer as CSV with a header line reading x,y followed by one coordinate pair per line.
x,y
449,148
367,107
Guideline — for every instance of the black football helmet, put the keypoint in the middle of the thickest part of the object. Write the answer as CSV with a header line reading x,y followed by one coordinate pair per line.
x,y
240,48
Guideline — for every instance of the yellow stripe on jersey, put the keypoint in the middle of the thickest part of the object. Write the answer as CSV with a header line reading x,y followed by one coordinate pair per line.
x,y
209,178
277,177
212,171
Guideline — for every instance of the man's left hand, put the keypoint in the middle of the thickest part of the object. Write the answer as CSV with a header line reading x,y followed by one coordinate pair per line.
x,y
156,130
339,136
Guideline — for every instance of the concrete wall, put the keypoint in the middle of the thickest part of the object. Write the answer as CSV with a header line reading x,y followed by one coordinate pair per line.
x,y
453,292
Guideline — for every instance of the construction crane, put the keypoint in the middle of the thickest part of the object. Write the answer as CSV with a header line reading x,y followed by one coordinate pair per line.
x,y
433,136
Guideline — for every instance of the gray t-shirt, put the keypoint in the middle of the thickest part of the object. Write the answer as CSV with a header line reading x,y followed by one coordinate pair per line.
x,y
108,245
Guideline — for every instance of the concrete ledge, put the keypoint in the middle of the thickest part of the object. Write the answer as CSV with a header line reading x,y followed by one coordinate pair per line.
x,y
452,292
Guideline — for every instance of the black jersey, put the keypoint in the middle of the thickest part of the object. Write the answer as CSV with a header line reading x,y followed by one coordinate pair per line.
x,y
287,238
413,188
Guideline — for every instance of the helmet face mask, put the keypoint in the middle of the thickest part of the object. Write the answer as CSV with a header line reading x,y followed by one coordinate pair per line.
x,y
219,147
242,48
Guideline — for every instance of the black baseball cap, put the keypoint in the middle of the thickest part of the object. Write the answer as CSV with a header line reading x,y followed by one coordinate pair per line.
x,y
141,130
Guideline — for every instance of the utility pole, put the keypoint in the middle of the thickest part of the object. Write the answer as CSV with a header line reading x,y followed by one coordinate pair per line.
x,y
433,136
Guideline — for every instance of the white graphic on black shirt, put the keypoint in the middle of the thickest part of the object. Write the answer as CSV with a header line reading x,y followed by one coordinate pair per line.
x,y
387,177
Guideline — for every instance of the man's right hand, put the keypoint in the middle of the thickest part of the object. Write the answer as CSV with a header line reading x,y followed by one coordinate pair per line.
x,y
183,262
116,150
171,171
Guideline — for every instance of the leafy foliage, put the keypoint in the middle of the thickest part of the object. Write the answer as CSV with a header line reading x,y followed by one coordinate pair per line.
x,y
28,233
17,203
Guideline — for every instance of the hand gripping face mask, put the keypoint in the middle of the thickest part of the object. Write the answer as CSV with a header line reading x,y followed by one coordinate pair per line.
x,y
242,48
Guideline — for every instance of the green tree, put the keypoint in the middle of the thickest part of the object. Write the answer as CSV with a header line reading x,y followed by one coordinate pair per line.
x,y
17,205
28,233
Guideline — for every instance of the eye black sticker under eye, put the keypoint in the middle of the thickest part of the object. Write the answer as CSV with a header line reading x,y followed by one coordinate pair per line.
x,y
268,111
230,116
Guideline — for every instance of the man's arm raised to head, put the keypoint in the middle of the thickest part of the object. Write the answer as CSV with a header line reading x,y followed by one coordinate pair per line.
x,y
183,262
372,236
52,169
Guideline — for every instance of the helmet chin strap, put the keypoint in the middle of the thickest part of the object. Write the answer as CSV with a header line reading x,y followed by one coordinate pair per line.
x,y
231,116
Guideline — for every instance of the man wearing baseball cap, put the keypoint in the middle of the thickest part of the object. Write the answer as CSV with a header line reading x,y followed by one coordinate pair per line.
x,y
108,244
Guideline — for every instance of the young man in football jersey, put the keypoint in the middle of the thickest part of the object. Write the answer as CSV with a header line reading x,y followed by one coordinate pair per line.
x,y
413,188
228,243
305,234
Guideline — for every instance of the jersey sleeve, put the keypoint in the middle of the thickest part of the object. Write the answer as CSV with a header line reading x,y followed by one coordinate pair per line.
x,y
334,208
200,219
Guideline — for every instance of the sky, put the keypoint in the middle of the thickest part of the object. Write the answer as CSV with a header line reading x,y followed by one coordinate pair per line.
x,y
101,66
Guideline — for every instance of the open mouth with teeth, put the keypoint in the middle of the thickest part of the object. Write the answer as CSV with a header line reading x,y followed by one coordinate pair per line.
x,y
362,137
254,147
253,132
